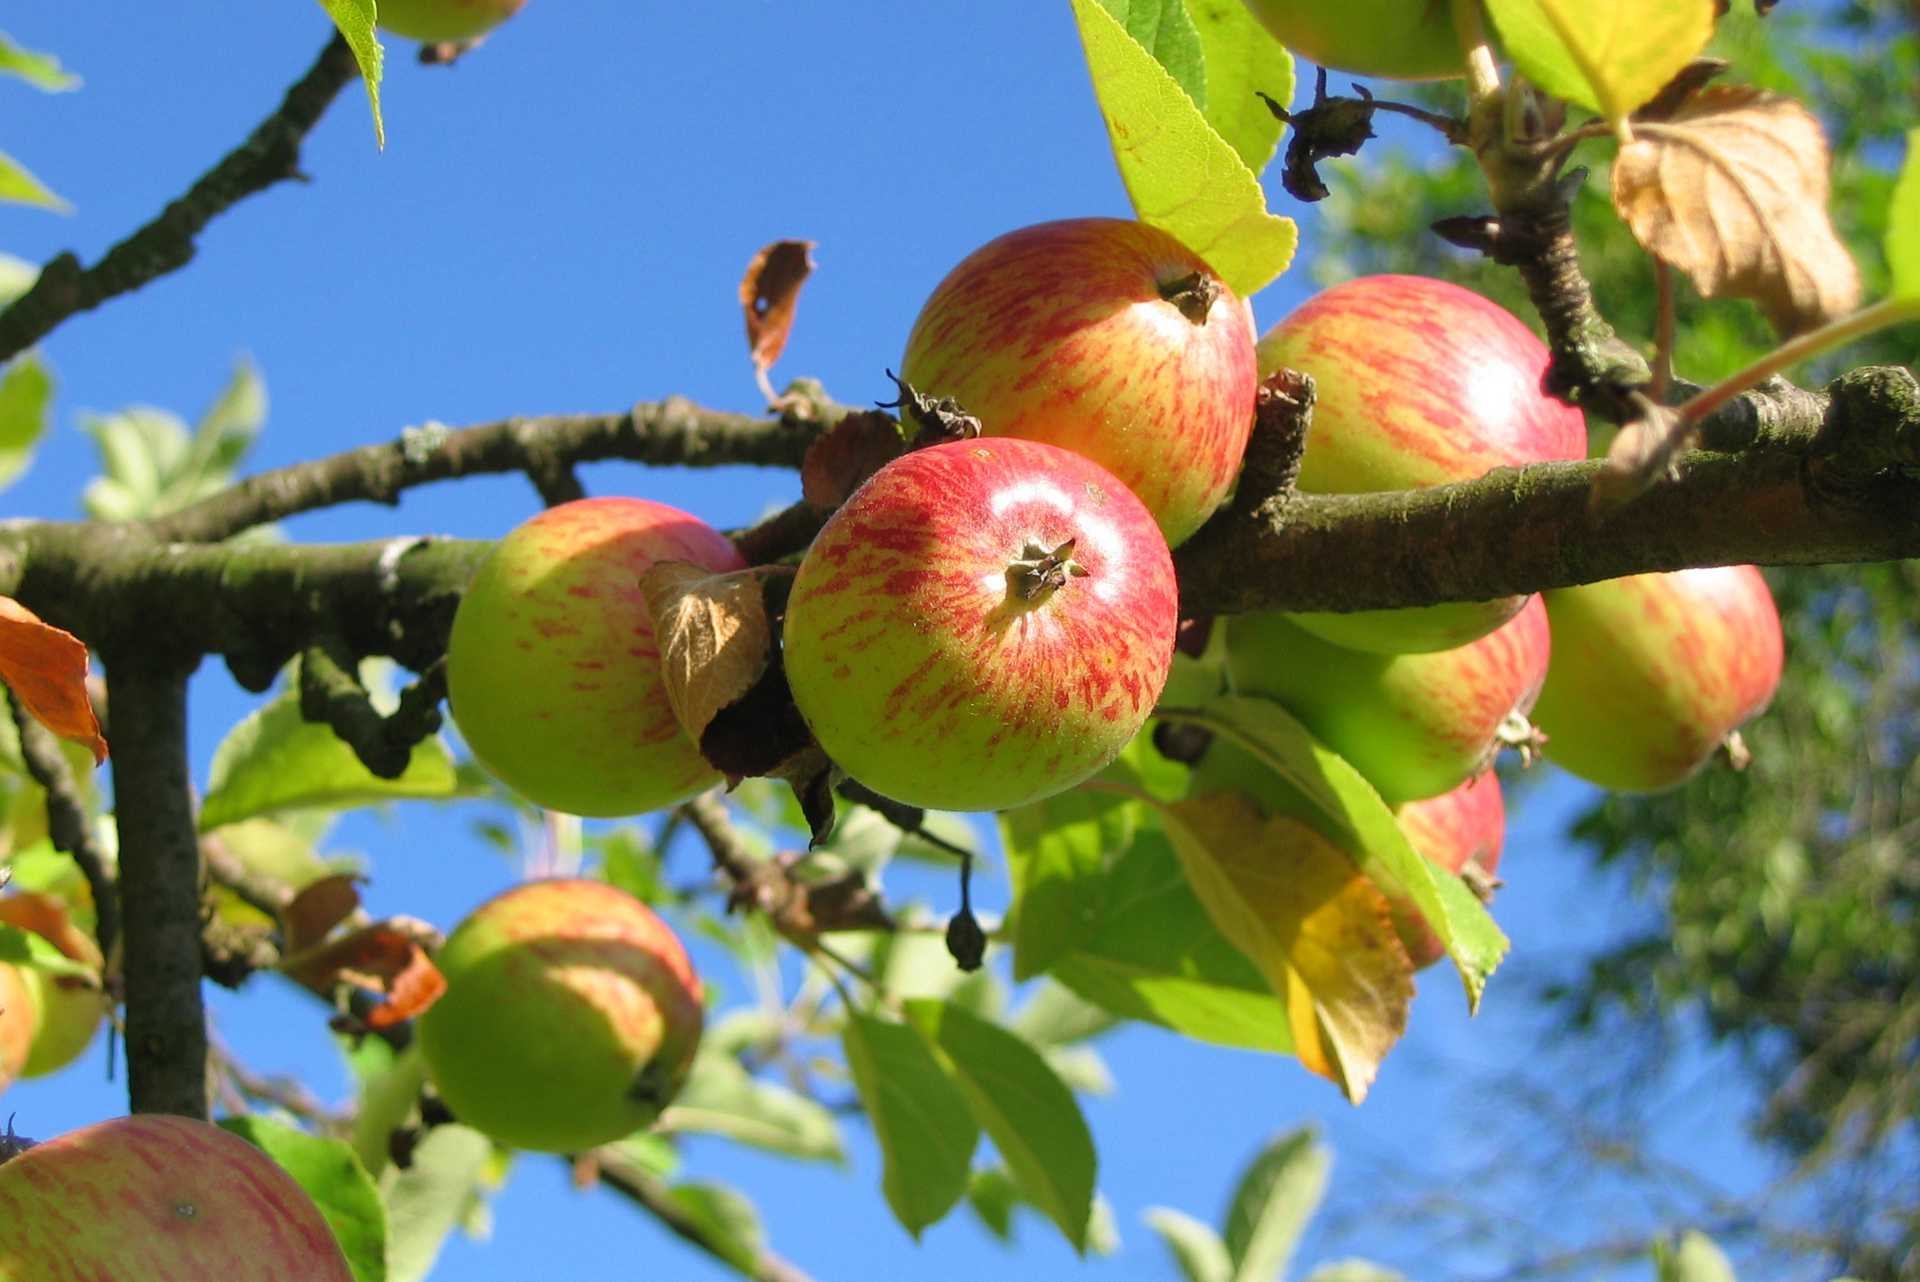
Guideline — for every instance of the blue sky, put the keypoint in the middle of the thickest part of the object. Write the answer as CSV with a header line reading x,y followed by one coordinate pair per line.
x,y
559,224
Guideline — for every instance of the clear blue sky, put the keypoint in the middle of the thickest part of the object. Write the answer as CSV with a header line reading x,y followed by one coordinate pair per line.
x,y
559,224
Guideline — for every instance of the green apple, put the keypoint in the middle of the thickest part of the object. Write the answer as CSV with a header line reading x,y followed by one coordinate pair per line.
x,y
553,672
570,1018
1397,39
433,21
1416,725
68,1010
1651,673
158,1199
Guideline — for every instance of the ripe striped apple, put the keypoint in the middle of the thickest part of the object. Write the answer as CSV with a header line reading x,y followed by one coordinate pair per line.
x,y
1105,337
1420,382
552,668
1651,673
1398,39
161,1199
1455,830
570,1019
982,624
1416,725
18,1015
67,1010
433,21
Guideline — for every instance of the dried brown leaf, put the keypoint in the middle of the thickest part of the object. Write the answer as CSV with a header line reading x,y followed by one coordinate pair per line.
x,y
842,458
46,667
713,634
387,957
1732,189
1642,452
769,292
320,906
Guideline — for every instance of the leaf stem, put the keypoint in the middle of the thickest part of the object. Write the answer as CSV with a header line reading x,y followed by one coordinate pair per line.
x,y
1483,73
1886,312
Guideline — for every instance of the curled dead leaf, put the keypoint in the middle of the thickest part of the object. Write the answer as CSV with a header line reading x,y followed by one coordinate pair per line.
x,y
1731,188
387,957
842,458
46,668
769,293
1320,932
311,915
714,637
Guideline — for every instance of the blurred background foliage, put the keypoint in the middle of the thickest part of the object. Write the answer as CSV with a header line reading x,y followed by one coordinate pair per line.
x,y
1787,893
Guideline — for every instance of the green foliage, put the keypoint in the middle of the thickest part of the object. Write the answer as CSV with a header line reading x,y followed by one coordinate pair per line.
x,y
1903,225
354,19
1278,1194
26,397
338,1184
432,1197
919,1116
154,464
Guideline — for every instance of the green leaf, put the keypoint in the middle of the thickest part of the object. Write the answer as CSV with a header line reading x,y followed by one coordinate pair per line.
x,y
27,948
273,760
917,964
1903,225
1277,1196
1343,805
920,1117
22,188
1054,848
1181,176
425,1201
1354,1271
389,1096
338,1184
992,1194
1242,56
1057,1016
1028,1111
1157,956
722,1098
354,19
1196,1248
1609,58
230,426
26,398
1164,29
1695,1259
732,1225
16,277
41,70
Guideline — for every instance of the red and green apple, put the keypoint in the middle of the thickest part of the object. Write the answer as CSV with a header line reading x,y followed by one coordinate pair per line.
x,y
434,21
570,1018
553,671
1106,337
982,624
67,1010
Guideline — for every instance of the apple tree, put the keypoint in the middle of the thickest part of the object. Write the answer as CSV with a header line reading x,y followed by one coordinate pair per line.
x,y
1205,807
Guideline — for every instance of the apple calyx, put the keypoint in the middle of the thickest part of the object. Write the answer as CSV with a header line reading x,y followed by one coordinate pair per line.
x,y
1039,572
1520,734
1193,294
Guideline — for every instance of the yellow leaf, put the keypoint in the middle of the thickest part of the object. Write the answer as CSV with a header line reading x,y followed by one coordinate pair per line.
x,y
1732,190
1319,931
1609,58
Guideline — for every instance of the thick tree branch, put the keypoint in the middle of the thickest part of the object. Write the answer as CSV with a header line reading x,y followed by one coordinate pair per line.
x,y
160,882
69,826
673,431
270,154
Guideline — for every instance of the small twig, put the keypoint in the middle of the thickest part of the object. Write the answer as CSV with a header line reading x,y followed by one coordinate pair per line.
x,y
647,1191
282,1092
1662,331
69,825
271,154
780,535
908,819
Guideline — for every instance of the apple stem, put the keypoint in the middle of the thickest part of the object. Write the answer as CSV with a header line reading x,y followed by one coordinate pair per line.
x,y
1193,294
1041,571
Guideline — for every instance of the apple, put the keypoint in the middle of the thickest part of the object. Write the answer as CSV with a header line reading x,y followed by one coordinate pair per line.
x,y
1397,39
553,673
982,624
1106,337
68,1010
1416,725
1459,832
570,1018
19,1013
161,1199
1651,673
1420,383
433,21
